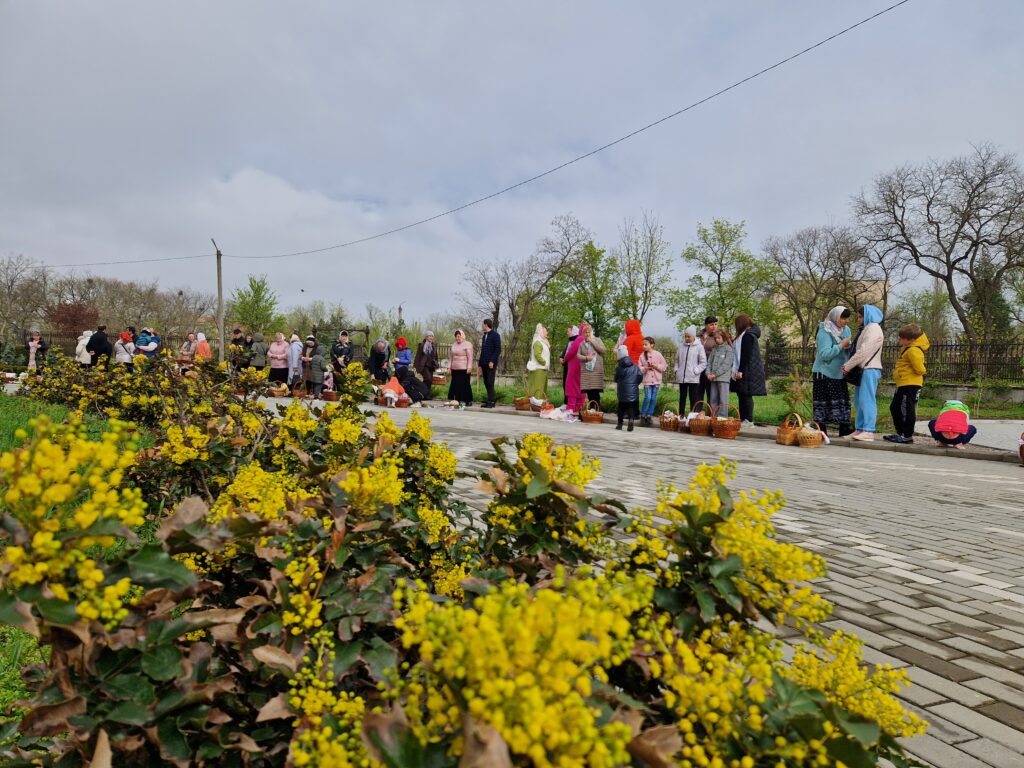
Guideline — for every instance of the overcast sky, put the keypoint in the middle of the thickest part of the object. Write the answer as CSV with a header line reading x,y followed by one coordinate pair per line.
x,y
141,129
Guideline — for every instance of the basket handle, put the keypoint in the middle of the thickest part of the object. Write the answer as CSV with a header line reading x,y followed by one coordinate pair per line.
x,y
799,421
728,407
706,409
817,427
597,406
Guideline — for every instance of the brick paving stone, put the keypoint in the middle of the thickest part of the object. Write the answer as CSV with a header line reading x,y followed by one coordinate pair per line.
x,y
949,578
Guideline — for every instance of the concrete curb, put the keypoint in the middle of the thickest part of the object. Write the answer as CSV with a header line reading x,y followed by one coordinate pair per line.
x,y
768,433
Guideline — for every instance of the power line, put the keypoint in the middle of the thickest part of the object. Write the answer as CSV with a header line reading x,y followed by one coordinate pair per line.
x,y
538,176
592,152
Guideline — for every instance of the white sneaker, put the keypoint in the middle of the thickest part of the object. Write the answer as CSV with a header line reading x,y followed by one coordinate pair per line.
x,y
746,424
867,436
853,435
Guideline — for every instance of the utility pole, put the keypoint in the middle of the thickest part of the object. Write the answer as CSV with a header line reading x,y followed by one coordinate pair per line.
x,y
220,304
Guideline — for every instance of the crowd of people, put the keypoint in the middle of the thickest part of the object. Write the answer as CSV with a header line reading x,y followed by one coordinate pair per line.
x,y
709,365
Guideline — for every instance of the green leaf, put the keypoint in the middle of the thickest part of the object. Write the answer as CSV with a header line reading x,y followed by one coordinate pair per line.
x,y
379,657
129,713
152,567
17,614
537,487
536,469
863,730
345,656
727,589
162,662
727,567
172,743
131,687
59,612
851,753
707,605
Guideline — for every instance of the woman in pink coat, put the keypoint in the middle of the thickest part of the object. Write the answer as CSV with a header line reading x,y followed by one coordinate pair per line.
x,y
574,399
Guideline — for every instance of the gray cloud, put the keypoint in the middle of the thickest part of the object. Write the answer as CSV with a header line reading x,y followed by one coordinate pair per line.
x,y
138,130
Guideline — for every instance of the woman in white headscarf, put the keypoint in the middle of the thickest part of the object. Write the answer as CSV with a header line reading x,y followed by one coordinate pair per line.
x,y
538,365
830,393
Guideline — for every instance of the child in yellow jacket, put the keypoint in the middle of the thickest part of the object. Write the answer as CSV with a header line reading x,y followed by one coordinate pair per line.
x,y
909,374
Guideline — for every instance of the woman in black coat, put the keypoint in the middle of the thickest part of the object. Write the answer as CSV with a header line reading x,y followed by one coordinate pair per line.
x,y
748,377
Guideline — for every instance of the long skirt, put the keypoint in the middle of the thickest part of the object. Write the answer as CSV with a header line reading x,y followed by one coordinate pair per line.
x,y
279,375
460,389
573,393
831,400
537,384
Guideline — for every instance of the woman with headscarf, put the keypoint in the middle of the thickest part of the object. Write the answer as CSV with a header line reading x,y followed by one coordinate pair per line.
x,y
294,360
538,365
571,333
591,357
748,370
830,394
425,362
864,370
460,363
277,354
81,352
573,390
403,355
203,351
378,360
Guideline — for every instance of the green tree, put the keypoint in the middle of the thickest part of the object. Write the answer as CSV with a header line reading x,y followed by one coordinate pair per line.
x,y
728,280
255,306
584,290
929,308
986,302
642,265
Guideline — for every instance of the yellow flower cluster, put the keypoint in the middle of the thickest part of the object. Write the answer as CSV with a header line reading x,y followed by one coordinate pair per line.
x,y
441,464
837,670
434,522
56,489
184,445
447,577
417,428
295,424
344,431
379,484
385,429
262,493
523,661
306,608
562,462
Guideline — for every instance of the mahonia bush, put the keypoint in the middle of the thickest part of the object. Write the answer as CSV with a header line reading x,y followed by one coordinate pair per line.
x,y
304,589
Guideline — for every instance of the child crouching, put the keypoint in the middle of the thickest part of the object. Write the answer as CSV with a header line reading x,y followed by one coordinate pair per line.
x,y
952,427
627,385
652,365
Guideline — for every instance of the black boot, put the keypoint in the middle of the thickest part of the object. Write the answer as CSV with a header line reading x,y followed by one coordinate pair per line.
x,y
630,427
619,425
845,430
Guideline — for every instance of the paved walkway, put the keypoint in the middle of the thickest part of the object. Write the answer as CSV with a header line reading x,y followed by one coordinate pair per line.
x,y
925,555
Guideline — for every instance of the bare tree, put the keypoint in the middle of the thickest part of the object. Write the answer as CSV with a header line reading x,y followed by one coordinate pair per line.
x,y
643,265
23,295
949,218
808,267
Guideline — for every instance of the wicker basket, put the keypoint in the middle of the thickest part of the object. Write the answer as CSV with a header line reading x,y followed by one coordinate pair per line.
x,y
522,403
281,391
811,435
403,401
438,380
381,400
668,422
726,428
700,421
787,434
538,408
592,413
329,397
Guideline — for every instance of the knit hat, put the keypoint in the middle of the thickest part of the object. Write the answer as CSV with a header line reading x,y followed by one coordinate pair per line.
x,y
691,330
952,420
311,337
621,352
710,319
428,334
125,336
400,342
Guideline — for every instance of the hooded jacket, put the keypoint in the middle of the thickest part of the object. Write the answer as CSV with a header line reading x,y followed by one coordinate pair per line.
x,y
910,368
750,364
720,362
258,351
341,354
316,367
99,343
634,341
627,380
868,353
148,344
653,365
828,355
690,362
295,356
82,350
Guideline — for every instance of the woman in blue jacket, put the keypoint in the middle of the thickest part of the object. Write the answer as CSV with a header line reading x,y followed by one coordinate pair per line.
x,y
830,392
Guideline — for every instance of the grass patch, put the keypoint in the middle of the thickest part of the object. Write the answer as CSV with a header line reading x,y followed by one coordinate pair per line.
x,y
18,649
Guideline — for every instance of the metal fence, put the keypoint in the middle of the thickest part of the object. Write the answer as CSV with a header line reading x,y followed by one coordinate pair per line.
x,y
951,363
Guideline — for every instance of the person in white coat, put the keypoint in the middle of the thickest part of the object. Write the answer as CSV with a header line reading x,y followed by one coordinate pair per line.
x,y
691,361
81,352
294,360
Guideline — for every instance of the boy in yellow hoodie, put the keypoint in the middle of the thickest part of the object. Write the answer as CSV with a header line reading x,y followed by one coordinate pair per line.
x,y
909,375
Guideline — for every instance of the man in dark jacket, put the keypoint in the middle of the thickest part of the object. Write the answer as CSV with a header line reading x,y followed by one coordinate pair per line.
x,y
378,360
627,385
490,354
341,352
99,348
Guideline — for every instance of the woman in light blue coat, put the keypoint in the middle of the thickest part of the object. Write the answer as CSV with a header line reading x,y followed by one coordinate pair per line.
x,y
830,393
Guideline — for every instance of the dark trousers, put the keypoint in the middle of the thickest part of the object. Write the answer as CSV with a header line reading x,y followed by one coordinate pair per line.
x,y
904,409
958,440
488,376
691,391
746,407
628,410
705,388
593,394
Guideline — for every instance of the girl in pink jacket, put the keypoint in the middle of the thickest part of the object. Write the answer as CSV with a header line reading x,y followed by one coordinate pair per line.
x,y
653,364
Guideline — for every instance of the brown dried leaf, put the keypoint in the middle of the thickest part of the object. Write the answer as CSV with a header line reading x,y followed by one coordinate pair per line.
x,y
630,717
275,709
51,719
656,746
485,486
218,717
189,511
251,601
500,478
276,658
361,582
483,746
568,488
102,757
386,727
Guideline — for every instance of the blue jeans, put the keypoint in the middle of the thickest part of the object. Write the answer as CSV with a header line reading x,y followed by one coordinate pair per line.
x,y
650,399
864,399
